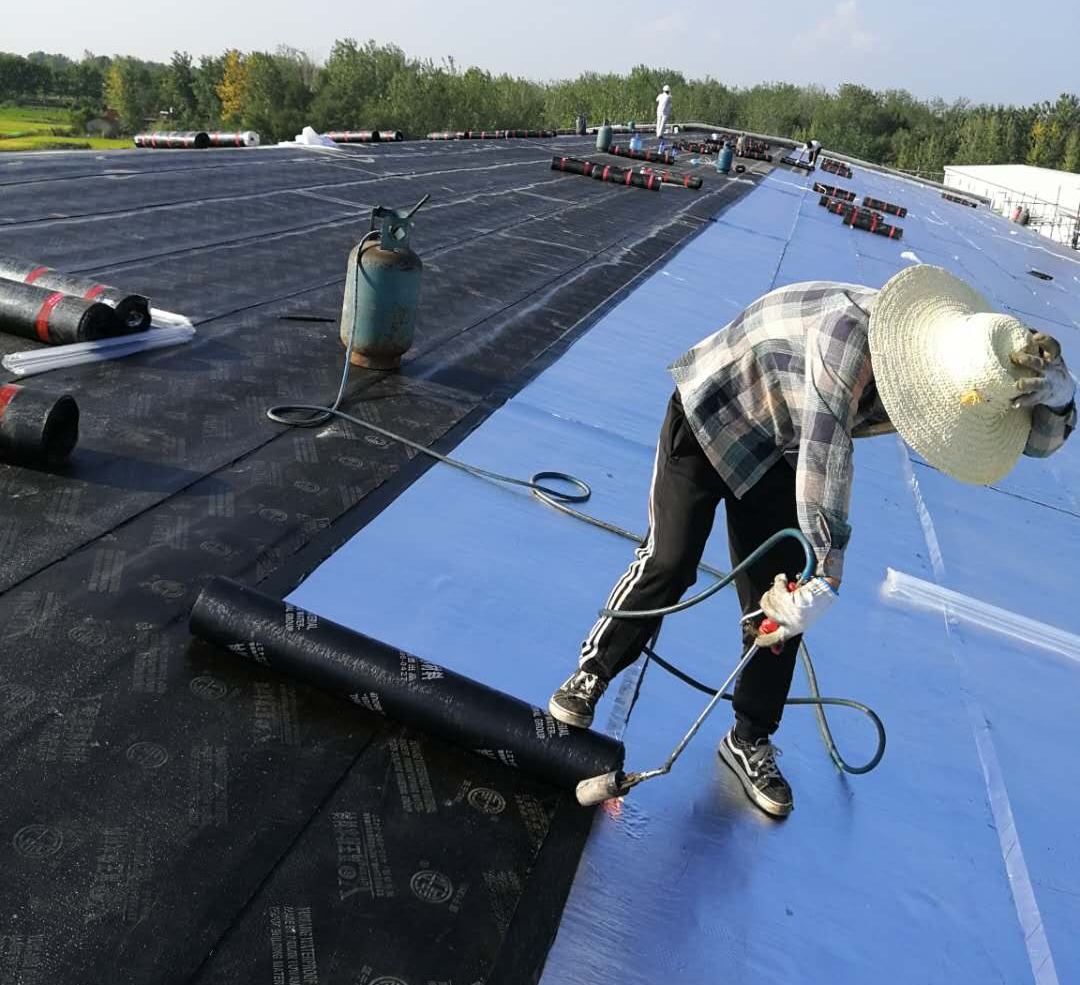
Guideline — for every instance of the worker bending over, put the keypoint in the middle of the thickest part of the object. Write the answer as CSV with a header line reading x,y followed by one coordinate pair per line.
x,y
762,418
663,111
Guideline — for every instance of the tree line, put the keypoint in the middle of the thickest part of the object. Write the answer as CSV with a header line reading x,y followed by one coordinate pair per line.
x,y
378,86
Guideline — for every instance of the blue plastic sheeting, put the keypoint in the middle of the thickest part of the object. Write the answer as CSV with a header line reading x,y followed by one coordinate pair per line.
x,y
958,858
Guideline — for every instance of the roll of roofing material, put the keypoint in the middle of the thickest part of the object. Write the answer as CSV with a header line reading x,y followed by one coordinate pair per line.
x,y
485,134
242,138
832,191
447,135
607,172
959,201
686,180
882,206
871,222
175,139
54,317
391,136
656,157
354,136
36,428
132,310
530,133
384,679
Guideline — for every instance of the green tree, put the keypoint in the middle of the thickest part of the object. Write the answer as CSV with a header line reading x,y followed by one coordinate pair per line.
x,y
178,90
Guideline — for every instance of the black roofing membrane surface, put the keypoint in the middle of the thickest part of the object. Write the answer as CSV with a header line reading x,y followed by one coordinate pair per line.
x,y
173,813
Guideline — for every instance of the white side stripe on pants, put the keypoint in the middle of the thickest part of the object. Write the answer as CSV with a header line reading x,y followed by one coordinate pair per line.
x,y
630,578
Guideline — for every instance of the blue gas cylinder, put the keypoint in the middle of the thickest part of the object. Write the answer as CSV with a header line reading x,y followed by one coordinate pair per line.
x,y
723,161
382,291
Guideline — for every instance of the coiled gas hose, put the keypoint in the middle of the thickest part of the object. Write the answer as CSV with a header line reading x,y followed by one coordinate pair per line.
x,y
312,415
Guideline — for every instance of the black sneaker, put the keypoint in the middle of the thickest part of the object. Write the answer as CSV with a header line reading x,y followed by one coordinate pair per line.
x,y
575,702
754,763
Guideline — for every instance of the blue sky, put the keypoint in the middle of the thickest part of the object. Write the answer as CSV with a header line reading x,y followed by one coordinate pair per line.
x,y
986,51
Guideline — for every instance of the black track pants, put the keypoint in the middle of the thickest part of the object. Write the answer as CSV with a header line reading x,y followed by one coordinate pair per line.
x,y
685,492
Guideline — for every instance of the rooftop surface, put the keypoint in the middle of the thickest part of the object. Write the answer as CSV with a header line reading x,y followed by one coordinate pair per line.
x,y
178,816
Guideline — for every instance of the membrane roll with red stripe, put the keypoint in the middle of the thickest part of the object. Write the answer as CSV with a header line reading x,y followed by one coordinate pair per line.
x,y
354,136
391,136
239,138
606,172
132,310
53,317
36,428
652,156
881,206
173,139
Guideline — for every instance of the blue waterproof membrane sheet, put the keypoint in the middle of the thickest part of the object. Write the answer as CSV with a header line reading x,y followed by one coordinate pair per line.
x,y
958,859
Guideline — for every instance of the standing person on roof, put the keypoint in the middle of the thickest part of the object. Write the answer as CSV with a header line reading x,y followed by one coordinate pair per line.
x,y
762,418
663,111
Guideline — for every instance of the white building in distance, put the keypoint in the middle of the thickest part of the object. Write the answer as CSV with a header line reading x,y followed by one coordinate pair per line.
x,y
1052,198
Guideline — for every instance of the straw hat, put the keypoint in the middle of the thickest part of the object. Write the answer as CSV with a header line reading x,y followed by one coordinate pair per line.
x,y
941,362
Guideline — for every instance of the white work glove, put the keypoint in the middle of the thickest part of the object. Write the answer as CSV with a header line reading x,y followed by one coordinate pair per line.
x,y
1050,383
796,611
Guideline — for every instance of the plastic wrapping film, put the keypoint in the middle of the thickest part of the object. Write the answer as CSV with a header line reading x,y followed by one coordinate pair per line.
x,y
406,689
240,138
36,428
54,317
133,310
173,139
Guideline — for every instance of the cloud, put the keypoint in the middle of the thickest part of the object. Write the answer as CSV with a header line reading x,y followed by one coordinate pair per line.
x,y
845,27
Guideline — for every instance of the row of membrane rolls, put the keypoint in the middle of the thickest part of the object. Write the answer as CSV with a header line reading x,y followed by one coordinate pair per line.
x,y
196,139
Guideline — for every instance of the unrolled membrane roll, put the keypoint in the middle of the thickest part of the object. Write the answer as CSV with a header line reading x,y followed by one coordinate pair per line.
x,y
132,310
402,687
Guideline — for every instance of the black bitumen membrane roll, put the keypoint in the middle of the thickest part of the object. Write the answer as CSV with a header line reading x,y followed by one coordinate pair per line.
x,y
391,136
54,317
133,310
176,139
381,678
882,206
36,428
354,136
607,172
959,201
641,155
834,192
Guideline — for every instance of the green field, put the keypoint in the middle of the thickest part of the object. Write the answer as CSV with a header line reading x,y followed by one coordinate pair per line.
x,y
45,128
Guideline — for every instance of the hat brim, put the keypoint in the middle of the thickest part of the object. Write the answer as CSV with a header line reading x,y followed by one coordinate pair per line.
x,y
917,390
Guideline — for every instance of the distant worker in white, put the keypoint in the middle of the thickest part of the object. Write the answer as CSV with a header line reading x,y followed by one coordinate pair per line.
x,y
663,111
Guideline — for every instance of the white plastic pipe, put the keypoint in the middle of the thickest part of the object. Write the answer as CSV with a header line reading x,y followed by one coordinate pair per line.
x,y
167,329
902,589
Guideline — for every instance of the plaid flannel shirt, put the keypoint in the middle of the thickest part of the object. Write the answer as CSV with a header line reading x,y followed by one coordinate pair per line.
x,y
791,378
